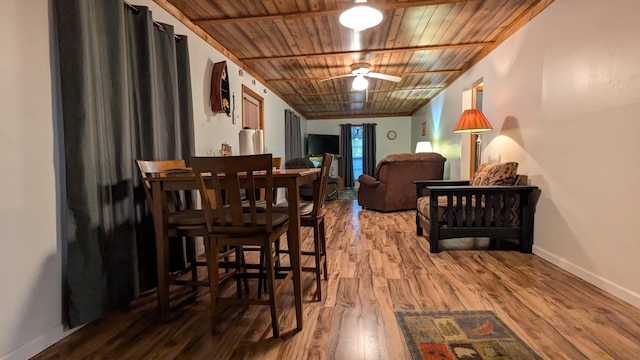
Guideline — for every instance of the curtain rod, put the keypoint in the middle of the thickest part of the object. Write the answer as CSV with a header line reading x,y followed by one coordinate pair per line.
x,y
134,8
159,25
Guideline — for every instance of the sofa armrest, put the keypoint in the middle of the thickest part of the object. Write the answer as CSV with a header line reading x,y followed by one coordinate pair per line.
x,y
499,199
421,185
445,190
462,191
368,180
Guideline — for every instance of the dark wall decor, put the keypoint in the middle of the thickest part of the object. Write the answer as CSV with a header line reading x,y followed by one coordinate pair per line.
x,y
220,100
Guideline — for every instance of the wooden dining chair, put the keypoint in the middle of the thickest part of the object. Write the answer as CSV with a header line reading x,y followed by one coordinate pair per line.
x,y
241,222
276,162
185,222
312,214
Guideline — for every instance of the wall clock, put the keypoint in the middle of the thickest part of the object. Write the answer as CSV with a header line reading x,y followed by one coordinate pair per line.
x,y
391,135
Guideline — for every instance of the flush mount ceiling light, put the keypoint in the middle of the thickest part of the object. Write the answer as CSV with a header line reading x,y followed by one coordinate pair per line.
x,y
361,17
359,83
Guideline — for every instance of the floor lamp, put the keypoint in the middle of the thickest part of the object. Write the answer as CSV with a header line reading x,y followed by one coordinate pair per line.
x,y
473,121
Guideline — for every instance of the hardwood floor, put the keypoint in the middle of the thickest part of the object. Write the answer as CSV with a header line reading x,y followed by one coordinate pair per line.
x,y
377,265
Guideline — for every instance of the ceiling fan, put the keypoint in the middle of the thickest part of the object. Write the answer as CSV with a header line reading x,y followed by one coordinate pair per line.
x,y
361,71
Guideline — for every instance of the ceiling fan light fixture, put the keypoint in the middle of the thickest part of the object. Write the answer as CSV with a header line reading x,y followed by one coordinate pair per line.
x,y
359,83
360,17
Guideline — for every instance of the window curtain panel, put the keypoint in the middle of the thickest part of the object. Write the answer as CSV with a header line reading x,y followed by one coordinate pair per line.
x,y
369,149
292,136
125,95
347,156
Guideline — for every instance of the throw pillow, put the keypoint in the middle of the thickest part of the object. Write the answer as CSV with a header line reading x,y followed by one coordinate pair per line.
x,y
495,174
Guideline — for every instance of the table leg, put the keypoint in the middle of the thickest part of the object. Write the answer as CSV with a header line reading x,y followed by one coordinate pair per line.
x,y
294,246
162,247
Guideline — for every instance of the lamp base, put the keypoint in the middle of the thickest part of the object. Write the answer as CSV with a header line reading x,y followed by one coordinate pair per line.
x,y
476,163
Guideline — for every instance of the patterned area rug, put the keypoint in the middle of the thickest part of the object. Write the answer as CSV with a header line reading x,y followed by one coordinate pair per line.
x,y
348,194
457,335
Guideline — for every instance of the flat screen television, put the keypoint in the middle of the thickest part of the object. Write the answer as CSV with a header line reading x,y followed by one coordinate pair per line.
x,y
318,144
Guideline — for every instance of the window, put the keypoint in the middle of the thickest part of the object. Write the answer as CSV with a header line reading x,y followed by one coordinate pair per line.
x,y
356,150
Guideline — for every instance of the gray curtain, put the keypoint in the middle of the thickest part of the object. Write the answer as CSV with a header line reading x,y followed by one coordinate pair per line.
x,y
292,136
345,152
369,149
123,97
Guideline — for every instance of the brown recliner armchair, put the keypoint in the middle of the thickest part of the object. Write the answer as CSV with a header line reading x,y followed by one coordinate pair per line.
x,y
392,188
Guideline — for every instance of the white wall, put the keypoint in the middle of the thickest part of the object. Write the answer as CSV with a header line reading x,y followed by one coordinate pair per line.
x,y
563,96
30,260
438,120
30,257
401,125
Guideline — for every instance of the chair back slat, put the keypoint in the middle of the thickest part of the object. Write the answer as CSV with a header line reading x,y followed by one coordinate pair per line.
x,y
320,186
236,176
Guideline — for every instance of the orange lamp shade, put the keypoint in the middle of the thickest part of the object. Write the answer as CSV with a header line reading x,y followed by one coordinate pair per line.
x,y
472,120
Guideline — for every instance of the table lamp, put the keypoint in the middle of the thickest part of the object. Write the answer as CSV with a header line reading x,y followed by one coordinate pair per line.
x,y
423,146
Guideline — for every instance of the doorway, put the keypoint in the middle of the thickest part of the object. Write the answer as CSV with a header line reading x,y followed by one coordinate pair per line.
x,y
477,93
252,109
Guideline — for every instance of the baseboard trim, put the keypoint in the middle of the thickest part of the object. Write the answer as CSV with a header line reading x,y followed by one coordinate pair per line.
x,y
37,345
604,284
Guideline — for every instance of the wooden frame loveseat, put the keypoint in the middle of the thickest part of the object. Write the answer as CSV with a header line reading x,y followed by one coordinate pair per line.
x,y
499,206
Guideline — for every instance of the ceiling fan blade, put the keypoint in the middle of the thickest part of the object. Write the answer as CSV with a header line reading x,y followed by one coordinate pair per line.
x,y
336,77
376,75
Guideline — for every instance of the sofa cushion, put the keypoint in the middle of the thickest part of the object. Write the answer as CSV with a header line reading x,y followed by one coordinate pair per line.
x,y
423,207
495,174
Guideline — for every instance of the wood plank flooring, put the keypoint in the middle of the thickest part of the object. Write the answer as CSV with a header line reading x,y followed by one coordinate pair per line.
x,y
377,265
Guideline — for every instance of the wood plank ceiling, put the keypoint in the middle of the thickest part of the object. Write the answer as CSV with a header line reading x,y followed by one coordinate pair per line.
x,y
291,45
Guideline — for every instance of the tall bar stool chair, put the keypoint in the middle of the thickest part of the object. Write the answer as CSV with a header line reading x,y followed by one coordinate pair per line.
x,y
183,222
240,223
312,214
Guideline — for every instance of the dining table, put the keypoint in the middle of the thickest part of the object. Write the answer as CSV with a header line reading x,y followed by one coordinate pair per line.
x,y
163,183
